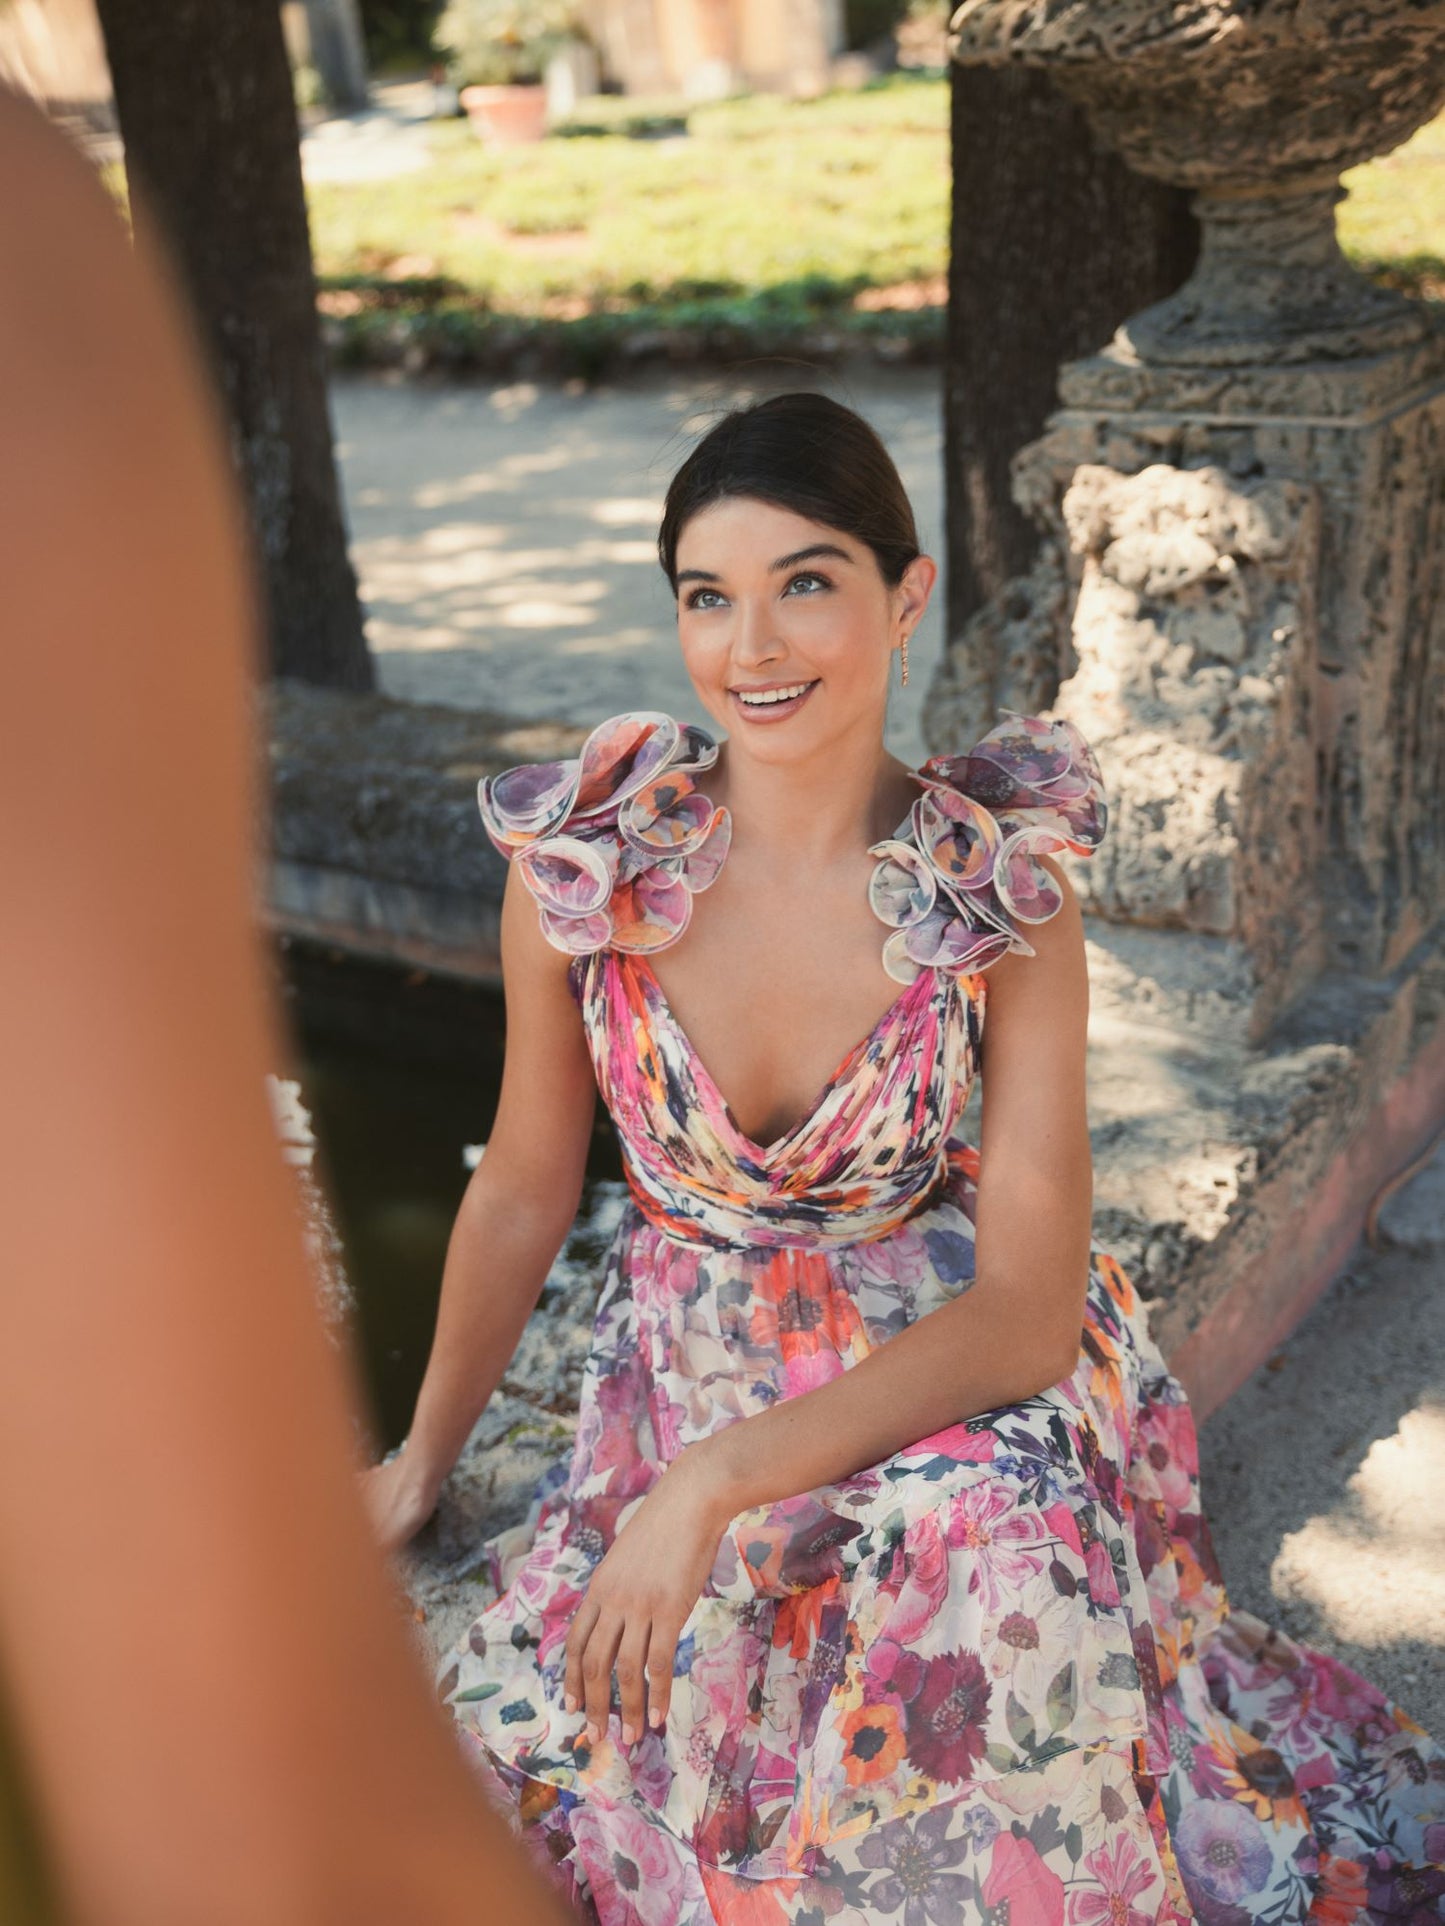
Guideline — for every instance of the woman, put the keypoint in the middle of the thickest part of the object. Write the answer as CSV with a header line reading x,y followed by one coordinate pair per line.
x,y
883,1512
176,1434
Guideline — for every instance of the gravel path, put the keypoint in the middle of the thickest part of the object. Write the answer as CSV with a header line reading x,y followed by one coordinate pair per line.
x,y
1323,1477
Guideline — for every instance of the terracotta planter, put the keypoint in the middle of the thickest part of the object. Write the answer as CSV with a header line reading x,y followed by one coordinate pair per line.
x,y
507,116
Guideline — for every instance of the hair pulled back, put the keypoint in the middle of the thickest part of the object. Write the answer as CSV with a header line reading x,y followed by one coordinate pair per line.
x,y
805,452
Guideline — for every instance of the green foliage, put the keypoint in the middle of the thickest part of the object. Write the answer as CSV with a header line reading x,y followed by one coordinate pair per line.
x,y
502,43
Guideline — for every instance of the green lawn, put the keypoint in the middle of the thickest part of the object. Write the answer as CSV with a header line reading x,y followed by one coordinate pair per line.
x,y
772,219
1393,221
771,215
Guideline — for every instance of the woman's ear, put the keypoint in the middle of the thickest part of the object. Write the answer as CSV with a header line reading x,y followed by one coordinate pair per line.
x,y
914,589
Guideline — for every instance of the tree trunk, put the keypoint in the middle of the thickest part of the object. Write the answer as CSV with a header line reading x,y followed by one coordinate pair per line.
x,y
338,51
203,96
1054,243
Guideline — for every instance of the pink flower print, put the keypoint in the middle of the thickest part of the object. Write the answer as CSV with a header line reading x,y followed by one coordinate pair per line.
x,y
1103,1585
987,1519
1344,1697
806,1372
1030,1893
1124,1877
614,1440
946,1720
892,1669
895,1265
633,1865
956,1441
1168,1444
925,1582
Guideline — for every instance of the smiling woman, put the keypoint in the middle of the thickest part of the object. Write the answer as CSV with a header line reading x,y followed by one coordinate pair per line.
x,y
877,1584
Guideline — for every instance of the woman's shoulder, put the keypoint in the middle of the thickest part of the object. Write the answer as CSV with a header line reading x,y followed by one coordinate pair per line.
x,y
613,842
961,879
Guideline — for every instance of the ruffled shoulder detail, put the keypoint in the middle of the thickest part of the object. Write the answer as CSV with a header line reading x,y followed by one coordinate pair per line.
x,y
614,841
959,879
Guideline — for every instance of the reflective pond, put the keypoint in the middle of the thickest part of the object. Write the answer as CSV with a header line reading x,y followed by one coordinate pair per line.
x,y
399,1070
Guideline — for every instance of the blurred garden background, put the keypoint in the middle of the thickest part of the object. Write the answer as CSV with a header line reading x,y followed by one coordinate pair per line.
x,y
787,190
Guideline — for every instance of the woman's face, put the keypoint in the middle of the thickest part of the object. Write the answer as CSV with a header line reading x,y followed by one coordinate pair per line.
x,y
772,604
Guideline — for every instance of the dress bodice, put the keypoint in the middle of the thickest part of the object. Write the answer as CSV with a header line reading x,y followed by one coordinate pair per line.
x,y
870,1151
613,844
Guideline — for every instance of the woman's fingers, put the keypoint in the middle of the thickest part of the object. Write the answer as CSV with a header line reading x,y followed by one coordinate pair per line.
x,y
578,1633
597,1658
631,1663
661,1657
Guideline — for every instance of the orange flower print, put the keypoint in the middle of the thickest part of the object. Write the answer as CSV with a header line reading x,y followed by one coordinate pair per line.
x,y
747,1902
873,1743
1261,1781
1340,1894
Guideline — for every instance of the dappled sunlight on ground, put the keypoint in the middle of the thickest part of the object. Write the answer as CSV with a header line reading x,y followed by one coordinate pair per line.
x,y
1374,1564
1322,1476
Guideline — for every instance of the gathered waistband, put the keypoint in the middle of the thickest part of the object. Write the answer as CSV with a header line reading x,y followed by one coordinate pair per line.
x,y
817,1219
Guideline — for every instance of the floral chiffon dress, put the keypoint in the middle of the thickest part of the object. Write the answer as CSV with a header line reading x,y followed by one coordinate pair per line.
x,y
995,1679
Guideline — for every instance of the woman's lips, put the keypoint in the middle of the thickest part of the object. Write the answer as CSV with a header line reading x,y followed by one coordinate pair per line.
x,y
770,711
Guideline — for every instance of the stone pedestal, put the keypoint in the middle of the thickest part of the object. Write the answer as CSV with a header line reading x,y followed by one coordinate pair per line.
x,y
1240,600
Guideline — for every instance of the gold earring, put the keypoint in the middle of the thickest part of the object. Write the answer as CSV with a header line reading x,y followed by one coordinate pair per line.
x,y
904,656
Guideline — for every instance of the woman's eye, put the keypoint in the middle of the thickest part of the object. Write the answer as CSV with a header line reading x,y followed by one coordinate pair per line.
x,y
694,600
809,576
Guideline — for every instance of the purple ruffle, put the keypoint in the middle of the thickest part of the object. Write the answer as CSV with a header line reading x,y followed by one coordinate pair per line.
x,y
961,875
614,841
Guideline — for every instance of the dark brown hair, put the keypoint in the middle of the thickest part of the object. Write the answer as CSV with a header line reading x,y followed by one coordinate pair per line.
x,y
805,452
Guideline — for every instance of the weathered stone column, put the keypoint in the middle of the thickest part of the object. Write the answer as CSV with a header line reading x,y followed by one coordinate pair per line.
x,y
1239,597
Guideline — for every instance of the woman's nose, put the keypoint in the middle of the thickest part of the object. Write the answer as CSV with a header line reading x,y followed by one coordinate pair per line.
x,y
755,637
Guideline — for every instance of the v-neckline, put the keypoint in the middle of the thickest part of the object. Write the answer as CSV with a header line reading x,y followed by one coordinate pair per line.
x,y
766,1152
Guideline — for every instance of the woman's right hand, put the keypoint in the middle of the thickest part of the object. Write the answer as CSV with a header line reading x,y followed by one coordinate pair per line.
x,y
399,1496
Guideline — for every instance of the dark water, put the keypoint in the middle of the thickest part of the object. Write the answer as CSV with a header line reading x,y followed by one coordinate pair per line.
x,y
400,1071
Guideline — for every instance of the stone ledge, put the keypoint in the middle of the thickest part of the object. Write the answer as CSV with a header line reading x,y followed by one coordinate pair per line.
x,y
376,845
1230,1179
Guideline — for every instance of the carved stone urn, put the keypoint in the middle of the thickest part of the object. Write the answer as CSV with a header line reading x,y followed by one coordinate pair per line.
x,y
1239,594
1257,105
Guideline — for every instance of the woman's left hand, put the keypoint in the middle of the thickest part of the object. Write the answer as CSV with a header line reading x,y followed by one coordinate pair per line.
x,y
641,1595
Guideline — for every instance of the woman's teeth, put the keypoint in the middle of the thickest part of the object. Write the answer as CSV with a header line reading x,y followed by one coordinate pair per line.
x,y
769,698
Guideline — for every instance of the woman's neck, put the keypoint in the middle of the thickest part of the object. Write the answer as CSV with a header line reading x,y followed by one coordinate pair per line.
x,y
820,810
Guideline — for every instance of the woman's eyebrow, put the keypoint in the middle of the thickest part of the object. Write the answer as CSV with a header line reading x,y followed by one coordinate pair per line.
x,y
804,554
783,561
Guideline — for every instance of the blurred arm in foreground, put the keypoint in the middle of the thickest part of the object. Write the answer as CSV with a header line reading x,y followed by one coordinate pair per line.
x,y
220,1714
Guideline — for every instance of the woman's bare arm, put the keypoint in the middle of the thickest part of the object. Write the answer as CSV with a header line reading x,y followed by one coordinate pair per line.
x,y
222,1715
513,1217
1016,1329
